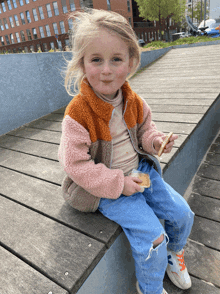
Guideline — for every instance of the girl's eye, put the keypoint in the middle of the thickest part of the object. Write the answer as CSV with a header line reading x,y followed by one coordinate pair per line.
x,y
117,59
95,59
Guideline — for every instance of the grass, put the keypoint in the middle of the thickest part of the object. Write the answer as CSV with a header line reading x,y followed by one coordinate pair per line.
x,y
188,40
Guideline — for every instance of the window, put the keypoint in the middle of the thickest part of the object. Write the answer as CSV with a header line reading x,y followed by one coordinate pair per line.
x,y
41,12
86,3
22,36
41,32
5,23
3,7
49,12
129,6
29,35
34,33
55,28
70,23
55,8
48,30
62,27
35,14
1,25
21,2
9,4
28,16
17,37
2,41
52,45
14,3
32,48
108,4
0,10
72,5
7,40
129,19
11,21
27,1
12,39
26,49
22,18
16,20
60,45
45,47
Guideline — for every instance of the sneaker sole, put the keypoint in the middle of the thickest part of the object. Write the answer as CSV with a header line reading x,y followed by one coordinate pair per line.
x,y
175,282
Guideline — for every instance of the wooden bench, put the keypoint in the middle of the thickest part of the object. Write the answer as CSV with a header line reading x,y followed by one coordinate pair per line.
x,y
48,247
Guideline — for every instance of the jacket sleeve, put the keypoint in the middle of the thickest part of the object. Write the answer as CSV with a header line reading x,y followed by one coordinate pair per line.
x,y
74,156
147,131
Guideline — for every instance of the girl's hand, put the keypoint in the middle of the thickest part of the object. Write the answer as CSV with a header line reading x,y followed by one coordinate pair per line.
x,y
131,186
158,141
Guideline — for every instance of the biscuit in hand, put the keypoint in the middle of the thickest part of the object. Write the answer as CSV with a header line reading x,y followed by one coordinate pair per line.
x,y
165,142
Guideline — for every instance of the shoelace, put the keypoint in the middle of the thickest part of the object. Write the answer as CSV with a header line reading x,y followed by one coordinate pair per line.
x,y
181,260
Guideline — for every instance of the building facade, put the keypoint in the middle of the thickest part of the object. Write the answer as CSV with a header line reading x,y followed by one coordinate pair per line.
x,y
32,25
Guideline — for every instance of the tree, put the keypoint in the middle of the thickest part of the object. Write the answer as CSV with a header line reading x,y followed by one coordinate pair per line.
x,y
161,9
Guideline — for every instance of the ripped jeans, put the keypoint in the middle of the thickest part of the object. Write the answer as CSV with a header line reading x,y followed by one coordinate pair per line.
x,y
139,215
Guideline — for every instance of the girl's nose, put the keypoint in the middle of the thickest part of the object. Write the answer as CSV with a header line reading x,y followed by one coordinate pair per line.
x,y
106,68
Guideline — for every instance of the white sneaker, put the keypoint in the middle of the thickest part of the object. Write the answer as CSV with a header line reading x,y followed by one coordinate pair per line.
x,y
139,291
177,271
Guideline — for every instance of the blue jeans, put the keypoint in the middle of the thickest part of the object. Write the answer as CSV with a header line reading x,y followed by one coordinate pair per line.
x,y
139,215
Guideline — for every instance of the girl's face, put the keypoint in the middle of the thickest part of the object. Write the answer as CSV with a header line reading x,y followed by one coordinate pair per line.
x,y
107,63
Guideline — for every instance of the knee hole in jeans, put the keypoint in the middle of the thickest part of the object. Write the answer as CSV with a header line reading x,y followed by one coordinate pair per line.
x,y
158,241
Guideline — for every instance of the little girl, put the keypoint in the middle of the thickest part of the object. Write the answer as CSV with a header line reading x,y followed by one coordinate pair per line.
x,y
107,132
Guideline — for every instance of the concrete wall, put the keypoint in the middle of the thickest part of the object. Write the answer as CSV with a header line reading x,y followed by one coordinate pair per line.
x,y
31,85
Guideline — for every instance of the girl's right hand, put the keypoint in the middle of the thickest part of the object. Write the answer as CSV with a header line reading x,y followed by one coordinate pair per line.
x,y
131,186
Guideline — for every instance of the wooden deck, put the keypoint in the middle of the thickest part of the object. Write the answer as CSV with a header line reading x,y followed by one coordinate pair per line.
x,y
47,247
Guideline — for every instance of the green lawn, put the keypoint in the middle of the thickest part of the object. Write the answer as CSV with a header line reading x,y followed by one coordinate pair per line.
x,y
188,40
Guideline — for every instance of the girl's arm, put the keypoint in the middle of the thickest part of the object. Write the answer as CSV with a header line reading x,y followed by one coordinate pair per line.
x,y
149,137
147,132
74,156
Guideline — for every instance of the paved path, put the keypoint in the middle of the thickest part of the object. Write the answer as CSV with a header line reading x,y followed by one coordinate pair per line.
x,y
46,246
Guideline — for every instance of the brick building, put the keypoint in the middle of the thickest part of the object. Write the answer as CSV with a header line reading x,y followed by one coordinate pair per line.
x,y
31,25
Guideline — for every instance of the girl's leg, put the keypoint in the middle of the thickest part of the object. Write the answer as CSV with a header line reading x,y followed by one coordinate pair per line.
x,y
142,229
169,205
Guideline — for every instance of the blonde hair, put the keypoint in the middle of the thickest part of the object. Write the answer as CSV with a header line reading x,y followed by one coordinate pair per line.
x,y
86,25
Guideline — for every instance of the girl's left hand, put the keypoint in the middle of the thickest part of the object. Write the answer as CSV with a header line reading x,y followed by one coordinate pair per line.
x,y
158,141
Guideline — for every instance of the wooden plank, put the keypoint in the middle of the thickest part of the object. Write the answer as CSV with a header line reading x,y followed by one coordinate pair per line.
x,y
178,109
178,128
53,117
205,206
215,148
206,231
35,166
182,89
45,125
47,199
166,157
40,149
213,158
168,101
209,171
210,97
37,134
203,262
177,117
198,287
18,277
206,187
63,254
60,110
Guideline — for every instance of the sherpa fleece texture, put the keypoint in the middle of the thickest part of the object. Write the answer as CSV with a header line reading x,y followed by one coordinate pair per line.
x,y
85,150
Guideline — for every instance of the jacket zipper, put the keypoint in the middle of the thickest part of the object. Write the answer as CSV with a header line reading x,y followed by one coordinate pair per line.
x,y
142,153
